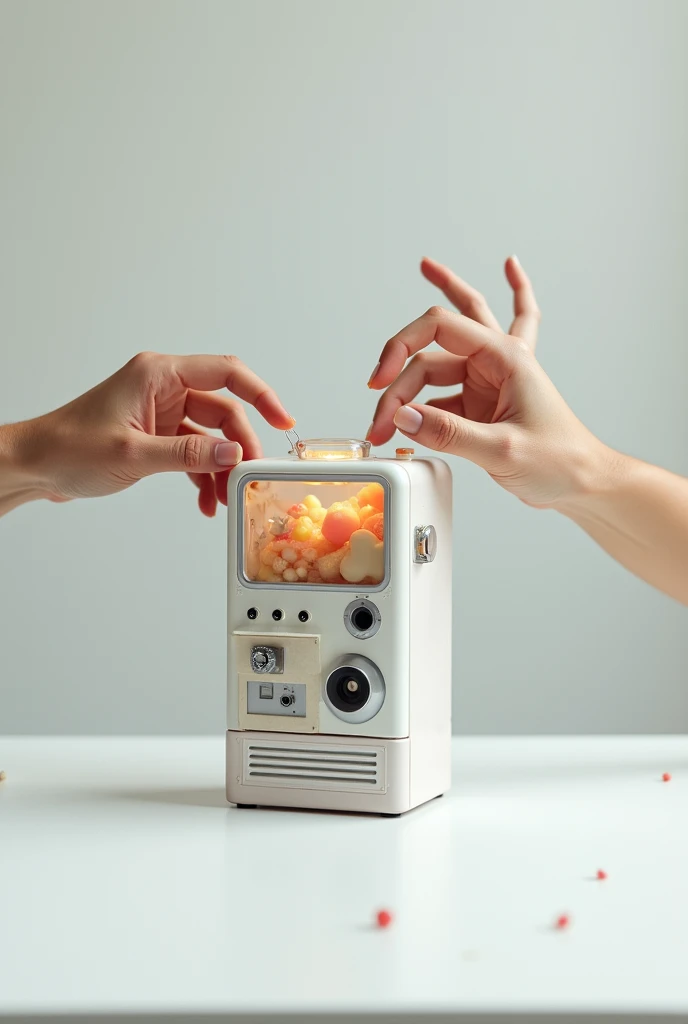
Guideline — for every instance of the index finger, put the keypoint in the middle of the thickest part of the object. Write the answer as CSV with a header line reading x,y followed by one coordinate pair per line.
x,y
455,333
466,299
210,373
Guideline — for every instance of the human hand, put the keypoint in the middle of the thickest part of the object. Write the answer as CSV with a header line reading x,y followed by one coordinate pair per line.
x,y
508,418
475,403
148,418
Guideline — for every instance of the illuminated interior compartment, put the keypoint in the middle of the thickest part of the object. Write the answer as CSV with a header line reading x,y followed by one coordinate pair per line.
x,y
324,533
332,450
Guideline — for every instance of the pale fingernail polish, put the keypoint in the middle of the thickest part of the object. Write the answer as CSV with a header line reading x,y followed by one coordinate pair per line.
x,y
373,375
227,453
409,420
515,258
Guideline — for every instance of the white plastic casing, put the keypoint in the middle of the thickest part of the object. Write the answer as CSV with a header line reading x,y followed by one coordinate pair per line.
x,y
409,738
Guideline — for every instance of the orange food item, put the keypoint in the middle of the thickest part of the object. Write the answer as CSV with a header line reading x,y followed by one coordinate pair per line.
x,y
376,525
366,512
303,529
339,524
372,494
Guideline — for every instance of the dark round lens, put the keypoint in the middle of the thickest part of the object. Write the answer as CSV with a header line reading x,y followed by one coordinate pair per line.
x,y
362,619
304,616
252,613
348,689
277,614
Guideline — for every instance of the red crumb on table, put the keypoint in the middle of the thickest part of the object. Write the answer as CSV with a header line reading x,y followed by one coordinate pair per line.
x,y
666,777
563,921
384,918
601,875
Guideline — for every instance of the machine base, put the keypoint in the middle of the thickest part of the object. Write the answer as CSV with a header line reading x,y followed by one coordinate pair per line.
x,y
332,773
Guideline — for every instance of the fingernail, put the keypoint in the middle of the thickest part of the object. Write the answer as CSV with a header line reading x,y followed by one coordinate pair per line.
x,y
409,420
515,258
227,453
370,430
373,375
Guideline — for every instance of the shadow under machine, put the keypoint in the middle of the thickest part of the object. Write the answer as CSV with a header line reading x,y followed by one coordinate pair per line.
x,y
339,608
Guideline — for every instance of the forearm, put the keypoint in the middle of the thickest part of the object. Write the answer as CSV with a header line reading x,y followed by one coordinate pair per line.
x,y
18,484
639,514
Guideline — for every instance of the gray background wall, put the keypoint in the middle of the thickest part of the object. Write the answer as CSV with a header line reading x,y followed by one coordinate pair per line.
x,y
262,178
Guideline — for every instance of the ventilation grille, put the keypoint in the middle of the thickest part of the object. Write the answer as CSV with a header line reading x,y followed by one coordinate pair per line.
x,y
314,766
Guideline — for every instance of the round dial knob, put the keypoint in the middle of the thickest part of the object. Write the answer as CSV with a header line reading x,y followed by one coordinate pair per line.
x,y
354,689
267,660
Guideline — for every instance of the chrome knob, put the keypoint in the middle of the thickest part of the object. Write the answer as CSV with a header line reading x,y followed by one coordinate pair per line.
x,y
425,544
267,660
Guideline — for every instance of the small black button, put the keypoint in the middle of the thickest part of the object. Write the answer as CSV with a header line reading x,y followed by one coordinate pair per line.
x,y
252,613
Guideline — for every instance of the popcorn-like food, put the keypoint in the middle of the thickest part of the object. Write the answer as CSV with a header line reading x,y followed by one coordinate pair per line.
x,y
303,530
366,512
372,494
365,559
328,565
340,544
266,575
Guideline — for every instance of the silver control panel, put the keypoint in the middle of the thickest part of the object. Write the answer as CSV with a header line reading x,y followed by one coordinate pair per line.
x,y
276,699
267,660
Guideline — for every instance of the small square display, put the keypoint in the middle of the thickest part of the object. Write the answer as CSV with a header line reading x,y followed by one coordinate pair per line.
x,y
319,533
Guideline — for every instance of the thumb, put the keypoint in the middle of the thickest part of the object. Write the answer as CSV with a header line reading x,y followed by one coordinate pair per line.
x,y
188,453
445,432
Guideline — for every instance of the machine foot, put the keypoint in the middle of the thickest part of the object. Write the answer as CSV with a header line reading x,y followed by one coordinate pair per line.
x,y
247,806
391,815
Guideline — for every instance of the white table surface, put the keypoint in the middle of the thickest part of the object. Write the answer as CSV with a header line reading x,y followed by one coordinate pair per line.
x,y
128,886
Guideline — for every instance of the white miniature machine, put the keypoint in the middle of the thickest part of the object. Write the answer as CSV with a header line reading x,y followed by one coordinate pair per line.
x,y
339,681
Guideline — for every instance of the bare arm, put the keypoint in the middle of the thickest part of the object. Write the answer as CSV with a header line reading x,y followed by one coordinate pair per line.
x,y
17,484
639,514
